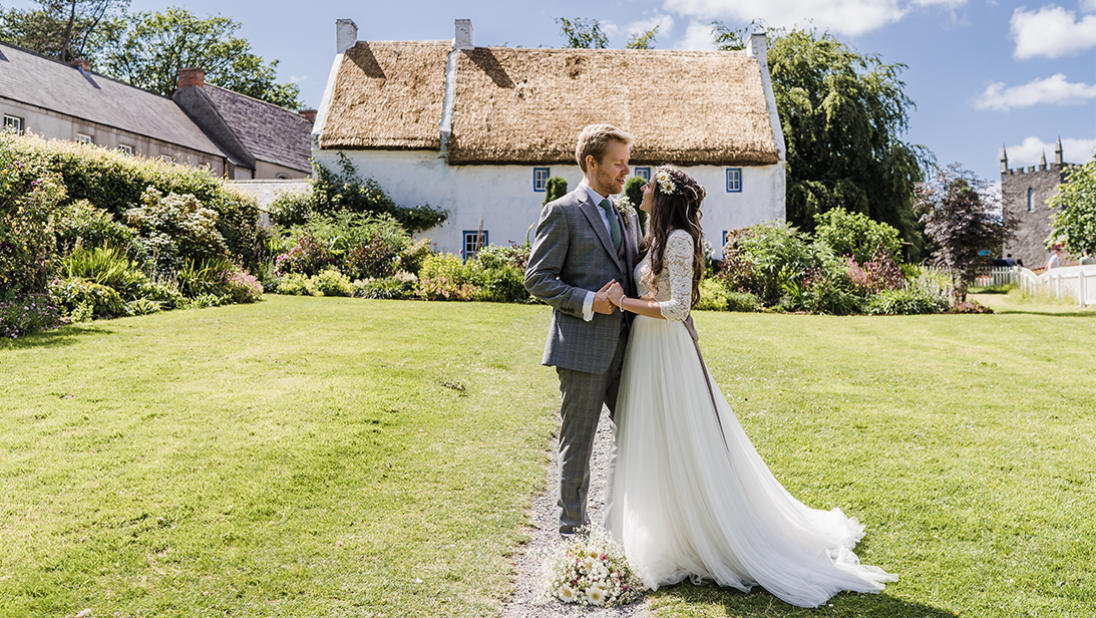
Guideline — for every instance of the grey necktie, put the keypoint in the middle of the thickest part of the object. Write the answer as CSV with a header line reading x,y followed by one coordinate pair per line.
x,y
614,225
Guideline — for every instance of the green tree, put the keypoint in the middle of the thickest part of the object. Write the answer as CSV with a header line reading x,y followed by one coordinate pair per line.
x,y
582,33
645,40
157,45
64,29
842,115
1074,224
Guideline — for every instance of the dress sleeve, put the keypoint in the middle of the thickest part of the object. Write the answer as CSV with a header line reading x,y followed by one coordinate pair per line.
x,y
678,259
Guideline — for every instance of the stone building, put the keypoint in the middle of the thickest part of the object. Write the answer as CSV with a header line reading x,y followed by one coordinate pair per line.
x,y
479,130
1025,193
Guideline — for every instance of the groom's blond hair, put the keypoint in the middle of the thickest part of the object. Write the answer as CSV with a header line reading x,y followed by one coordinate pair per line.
x,y
594,140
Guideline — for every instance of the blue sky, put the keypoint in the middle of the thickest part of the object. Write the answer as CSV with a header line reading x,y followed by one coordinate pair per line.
x,y
982,74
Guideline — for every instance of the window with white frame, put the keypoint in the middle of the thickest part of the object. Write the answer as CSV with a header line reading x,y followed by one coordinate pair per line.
x,y
474,240
540,178
13,123
167,158
283,176
734,180
125,149
643,172
83,138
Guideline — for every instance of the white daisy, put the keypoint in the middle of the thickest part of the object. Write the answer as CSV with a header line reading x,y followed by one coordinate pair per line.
x,y
596,595
567,594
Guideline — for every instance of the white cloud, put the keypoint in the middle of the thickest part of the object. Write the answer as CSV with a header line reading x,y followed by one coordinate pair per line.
x,y
1053,90
698,36
1031,150
843,17
1052,32
1087,6
297,79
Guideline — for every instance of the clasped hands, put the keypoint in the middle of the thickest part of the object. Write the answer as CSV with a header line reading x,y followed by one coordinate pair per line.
x,y
607,299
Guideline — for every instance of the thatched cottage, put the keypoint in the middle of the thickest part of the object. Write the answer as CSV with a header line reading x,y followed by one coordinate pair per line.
x,y
478,130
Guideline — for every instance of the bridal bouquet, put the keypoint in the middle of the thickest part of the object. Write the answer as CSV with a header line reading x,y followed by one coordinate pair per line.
x,y
590,569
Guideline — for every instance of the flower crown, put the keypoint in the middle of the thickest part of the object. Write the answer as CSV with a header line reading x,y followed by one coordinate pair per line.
x,y
665,182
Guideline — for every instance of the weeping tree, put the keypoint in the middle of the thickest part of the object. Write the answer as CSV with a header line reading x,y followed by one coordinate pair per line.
x,y
965,219
843,115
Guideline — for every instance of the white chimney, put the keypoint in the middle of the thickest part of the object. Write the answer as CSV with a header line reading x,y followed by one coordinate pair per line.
x,y
346,35
756,48
464,34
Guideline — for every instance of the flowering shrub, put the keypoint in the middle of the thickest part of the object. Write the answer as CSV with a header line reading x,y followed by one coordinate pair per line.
x,y
307,257
80,224
332,283
402,285
590,570
296,284
26,314
243,287
443,277
27,197
882,272
175,228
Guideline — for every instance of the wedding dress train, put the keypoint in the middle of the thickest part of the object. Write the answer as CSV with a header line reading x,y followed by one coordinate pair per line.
x,y
691,496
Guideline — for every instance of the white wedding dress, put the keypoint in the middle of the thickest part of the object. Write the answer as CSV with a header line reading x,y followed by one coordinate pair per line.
x,y
691,497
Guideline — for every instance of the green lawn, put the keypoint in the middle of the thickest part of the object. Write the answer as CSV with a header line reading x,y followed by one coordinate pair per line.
x,y
321,457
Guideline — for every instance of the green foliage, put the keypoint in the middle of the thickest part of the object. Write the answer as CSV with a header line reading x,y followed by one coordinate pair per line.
x,y
344,190
743,302
634,190
83,299
291,208
643,40
775,254
106,266
1074,224
156,45
842,115
582,33
391,288
332,283
65,30
297,284
28,195
204,277
444,277
554,188
361,245
308,257
142,306
79,224
175,228
242,287
855,234
114,182
713,296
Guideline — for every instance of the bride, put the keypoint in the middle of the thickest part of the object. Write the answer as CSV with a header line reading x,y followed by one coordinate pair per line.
x,y
691,497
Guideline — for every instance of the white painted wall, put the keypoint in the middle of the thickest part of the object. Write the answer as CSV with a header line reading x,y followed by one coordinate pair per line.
x,y
503,196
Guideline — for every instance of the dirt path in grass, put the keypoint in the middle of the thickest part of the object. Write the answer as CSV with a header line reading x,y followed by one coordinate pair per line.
x,y
544,535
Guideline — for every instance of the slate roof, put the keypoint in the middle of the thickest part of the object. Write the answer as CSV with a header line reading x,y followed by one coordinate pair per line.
x,y
29,78
270,133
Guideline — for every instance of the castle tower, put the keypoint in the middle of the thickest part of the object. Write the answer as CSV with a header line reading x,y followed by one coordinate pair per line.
x,y
1025,193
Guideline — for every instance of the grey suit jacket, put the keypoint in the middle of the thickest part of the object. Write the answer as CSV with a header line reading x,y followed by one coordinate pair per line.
x,y
572,254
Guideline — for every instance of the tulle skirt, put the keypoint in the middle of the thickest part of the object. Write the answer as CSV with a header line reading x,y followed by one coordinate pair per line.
x,y
692,498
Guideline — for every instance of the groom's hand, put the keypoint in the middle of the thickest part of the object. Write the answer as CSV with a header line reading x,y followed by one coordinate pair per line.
x,y
601,300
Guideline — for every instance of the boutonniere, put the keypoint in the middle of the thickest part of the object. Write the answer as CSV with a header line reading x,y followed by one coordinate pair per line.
x,y
624,206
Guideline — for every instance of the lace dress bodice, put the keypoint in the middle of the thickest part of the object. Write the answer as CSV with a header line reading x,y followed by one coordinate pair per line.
x,y
675,283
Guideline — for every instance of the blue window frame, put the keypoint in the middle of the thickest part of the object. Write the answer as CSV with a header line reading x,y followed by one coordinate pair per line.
x,y
734,180
473,242
540,178
643,172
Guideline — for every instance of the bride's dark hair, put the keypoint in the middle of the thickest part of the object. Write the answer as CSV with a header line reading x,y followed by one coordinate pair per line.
x,y
679,210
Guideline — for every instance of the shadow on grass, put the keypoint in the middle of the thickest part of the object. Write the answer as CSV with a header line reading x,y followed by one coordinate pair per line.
x,y
1079,313
65,335
736,604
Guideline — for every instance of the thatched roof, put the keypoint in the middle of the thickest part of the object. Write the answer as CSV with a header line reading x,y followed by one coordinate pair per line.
x,y
388,96
528,106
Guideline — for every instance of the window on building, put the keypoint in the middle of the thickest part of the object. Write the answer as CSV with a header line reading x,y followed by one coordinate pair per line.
x,y
643,172
125,149
474,240
83,138
1031,199
540,178
283,177
734,180
167,158
13,123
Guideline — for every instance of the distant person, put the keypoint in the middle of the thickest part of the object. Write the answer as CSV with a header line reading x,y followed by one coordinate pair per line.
x,y
1055,259
1011,262
1087,259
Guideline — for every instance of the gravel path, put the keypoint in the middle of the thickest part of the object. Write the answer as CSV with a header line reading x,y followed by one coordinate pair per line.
x,y
544,535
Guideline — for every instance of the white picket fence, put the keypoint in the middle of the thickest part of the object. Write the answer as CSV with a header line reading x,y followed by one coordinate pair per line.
x,y
1076,283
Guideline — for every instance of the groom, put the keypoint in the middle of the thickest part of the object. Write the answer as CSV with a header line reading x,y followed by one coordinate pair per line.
x,y
582,245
